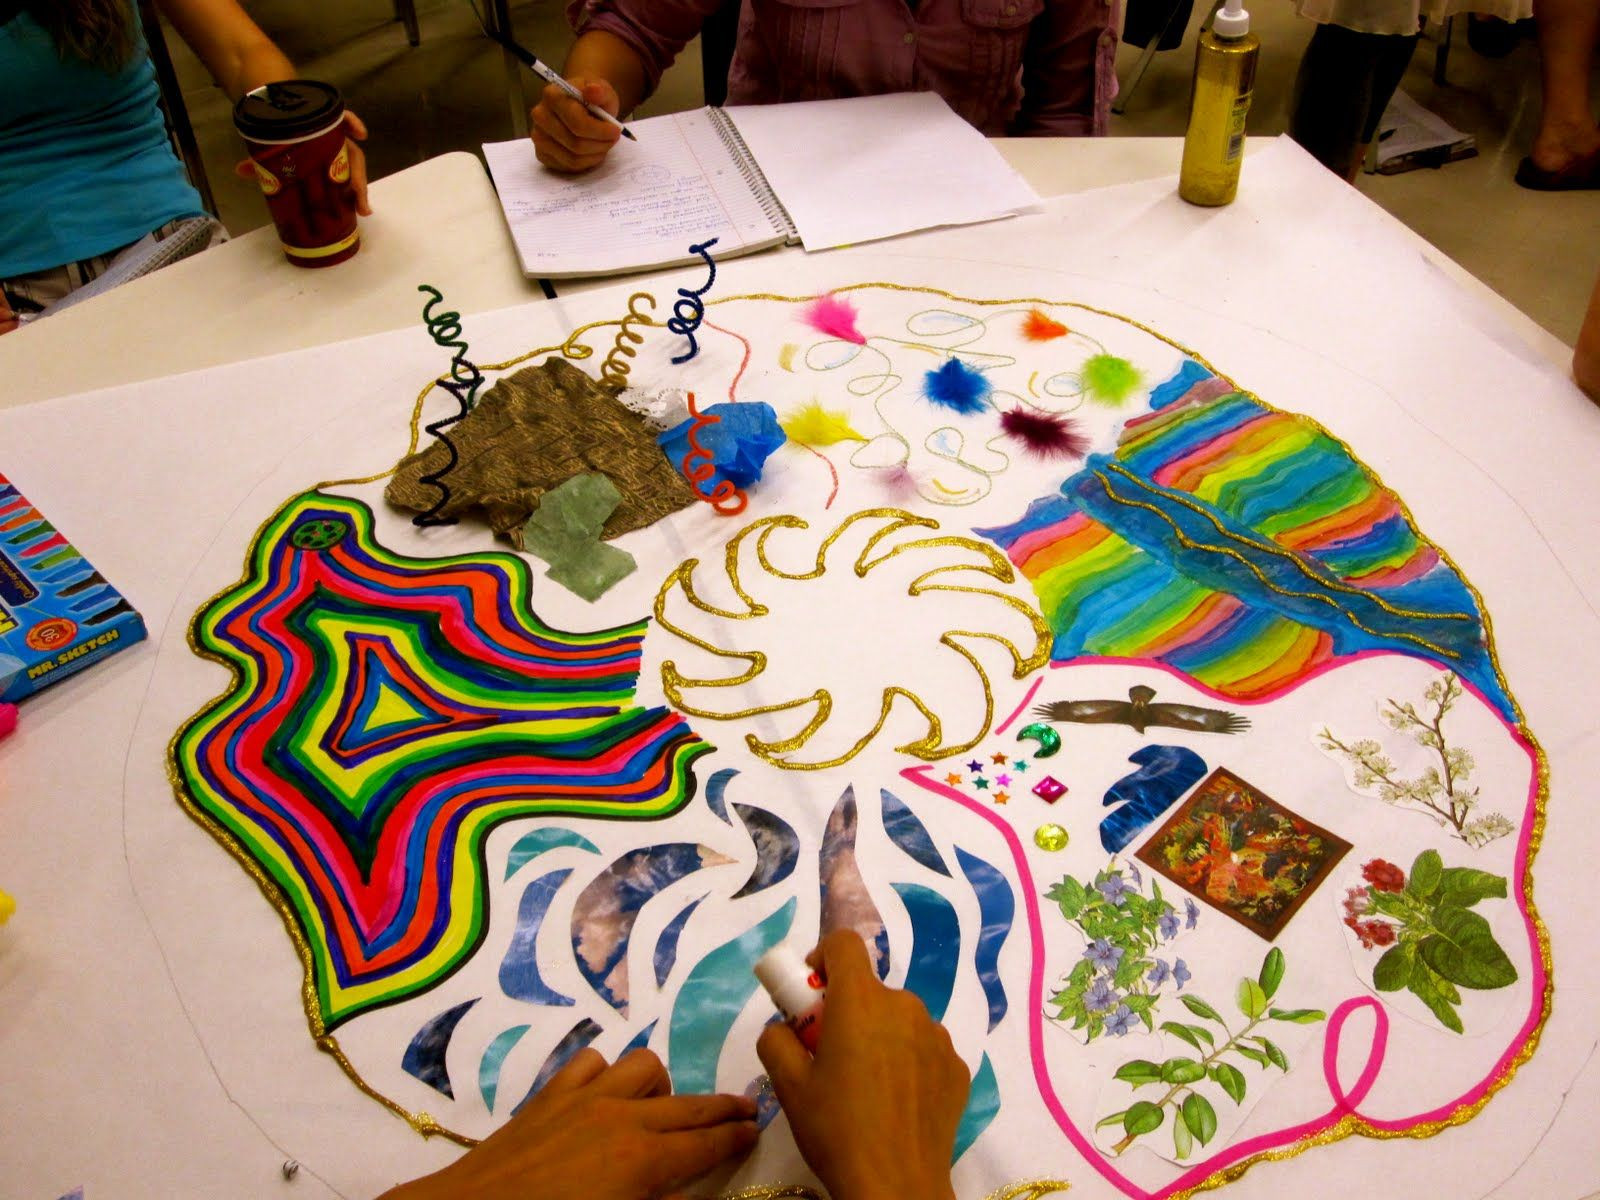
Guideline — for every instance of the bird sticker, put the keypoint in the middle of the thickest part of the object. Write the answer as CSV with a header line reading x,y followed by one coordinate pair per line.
x,y
1138,711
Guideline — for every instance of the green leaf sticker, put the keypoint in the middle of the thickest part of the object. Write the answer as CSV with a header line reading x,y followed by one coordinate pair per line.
x,y
1114,1119
1201,1009
1300,1016
1182,1070
1200,1117
1230,1079
1426,873
1463,950
1393,970
1138,1072
1423,987
1184,1032
1252,1000
1278,1057
1182,1140
1254,1056
1462,887
1271,973
1142,1118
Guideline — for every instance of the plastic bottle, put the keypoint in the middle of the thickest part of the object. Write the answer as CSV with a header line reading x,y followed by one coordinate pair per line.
x,y
1224,77
796,989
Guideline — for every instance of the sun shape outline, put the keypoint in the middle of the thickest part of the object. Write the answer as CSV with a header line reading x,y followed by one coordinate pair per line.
x,y
932,745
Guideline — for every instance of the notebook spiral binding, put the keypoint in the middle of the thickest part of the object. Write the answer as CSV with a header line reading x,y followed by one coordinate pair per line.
x,y
771,206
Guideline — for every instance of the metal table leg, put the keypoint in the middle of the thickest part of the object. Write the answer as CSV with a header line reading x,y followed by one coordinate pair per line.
x,y
499,16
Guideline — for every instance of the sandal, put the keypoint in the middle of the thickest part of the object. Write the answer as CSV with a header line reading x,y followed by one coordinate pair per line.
x,y
1580,174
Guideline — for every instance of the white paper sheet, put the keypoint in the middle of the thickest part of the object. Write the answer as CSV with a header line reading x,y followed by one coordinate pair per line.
x,y
856,170
641,208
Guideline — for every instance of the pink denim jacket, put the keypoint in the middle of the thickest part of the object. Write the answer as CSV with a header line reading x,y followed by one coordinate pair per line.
x,y
1017,67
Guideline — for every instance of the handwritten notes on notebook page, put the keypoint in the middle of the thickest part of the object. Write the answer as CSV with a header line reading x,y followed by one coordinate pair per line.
x,y
870,167
641,208
845,171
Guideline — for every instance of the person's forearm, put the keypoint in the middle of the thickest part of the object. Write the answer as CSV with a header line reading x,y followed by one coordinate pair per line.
x,y
233,48
598,54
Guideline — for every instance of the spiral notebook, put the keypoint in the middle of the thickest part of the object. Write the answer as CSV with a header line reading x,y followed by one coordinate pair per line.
x,y
820,174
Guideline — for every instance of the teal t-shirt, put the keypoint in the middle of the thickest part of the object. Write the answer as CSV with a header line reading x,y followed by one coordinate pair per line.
x,y
85,164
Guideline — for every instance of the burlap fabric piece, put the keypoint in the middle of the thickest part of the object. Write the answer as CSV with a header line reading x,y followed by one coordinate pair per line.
x,y
530,433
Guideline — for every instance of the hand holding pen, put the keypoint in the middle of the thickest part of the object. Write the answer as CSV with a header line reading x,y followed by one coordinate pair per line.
x,y
567,136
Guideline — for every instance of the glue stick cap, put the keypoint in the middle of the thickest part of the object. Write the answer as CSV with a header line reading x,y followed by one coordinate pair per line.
x,y
794,987
1231,21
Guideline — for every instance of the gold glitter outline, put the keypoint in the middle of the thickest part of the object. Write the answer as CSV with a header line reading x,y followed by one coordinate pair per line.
x,y
1189,544
931,746
1030,1189
1348,1126
1273,548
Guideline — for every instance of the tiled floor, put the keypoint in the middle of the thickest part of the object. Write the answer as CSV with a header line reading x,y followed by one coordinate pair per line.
x,y
1541,251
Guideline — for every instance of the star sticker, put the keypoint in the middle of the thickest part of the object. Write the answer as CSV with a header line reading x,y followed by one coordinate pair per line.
x,y
1003,779
953,778
981,783
998,758
974,765
1020,765
1001,797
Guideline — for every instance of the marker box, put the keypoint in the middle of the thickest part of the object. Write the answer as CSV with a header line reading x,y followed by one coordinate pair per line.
x,y
57,613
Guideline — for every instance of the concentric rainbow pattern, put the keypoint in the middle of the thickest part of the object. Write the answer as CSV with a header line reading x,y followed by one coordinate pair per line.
x,y
387,713
1243,546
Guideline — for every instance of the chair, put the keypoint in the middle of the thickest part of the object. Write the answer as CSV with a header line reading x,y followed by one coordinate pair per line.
x,y
172,105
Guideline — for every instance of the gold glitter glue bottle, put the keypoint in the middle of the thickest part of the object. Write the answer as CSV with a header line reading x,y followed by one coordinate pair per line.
x,y
796,989
1224,77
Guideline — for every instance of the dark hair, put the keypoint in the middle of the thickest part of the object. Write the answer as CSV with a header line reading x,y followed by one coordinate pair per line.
x,y
98,31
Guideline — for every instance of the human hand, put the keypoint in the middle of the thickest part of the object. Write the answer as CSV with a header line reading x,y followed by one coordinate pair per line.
x,y
355,131
566,136
597,1132
875,1112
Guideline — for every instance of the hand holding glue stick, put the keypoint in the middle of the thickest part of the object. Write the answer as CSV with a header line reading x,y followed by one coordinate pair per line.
x,y
875,1108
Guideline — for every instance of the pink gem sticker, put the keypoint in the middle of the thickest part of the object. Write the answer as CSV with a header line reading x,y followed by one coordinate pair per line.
x,y
1049,789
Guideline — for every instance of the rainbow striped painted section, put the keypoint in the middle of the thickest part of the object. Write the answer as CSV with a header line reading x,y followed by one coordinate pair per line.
x,y
1243,546
387,712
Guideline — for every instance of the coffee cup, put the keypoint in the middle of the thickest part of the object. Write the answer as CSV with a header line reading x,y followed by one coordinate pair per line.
x,y
294,131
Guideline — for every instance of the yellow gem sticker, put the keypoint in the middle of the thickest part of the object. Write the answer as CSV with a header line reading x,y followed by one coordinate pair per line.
x,y
1050,837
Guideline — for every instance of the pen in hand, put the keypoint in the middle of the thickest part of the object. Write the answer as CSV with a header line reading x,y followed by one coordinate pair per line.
x,y
549,76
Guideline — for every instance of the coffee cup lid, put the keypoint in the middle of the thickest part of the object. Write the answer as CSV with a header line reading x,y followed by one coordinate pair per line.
x,y
287,111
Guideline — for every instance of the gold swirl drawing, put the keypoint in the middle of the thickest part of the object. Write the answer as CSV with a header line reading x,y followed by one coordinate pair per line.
x,y
931,746
614,370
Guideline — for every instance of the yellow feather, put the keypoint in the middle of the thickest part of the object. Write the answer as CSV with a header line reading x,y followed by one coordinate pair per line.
x,y
813,425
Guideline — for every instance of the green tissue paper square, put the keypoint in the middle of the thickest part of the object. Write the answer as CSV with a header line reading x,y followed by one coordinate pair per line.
x,y
565,531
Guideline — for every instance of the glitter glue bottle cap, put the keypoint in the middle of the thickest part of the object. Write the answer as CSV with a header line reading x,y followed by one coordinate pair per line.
x,y
794,987
1231,21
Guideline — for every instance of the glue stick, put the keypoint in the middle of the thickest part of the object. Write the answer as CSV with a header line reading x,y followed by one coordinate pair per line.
x,y
1224,78
796,989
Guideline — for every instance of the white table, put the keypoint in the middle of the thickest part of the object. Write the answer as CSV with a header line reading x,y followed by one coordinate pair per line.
x,y
438,223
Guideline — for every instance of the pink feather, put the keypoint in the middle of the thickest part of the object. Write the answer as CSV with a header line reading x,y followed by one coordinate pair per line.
x,y
1046,434
834,317
900,482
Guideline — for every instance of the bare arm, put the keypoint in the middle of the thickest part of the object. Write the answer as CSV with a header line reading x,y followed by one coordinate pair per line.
x,y
598,54
612,75
232,47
